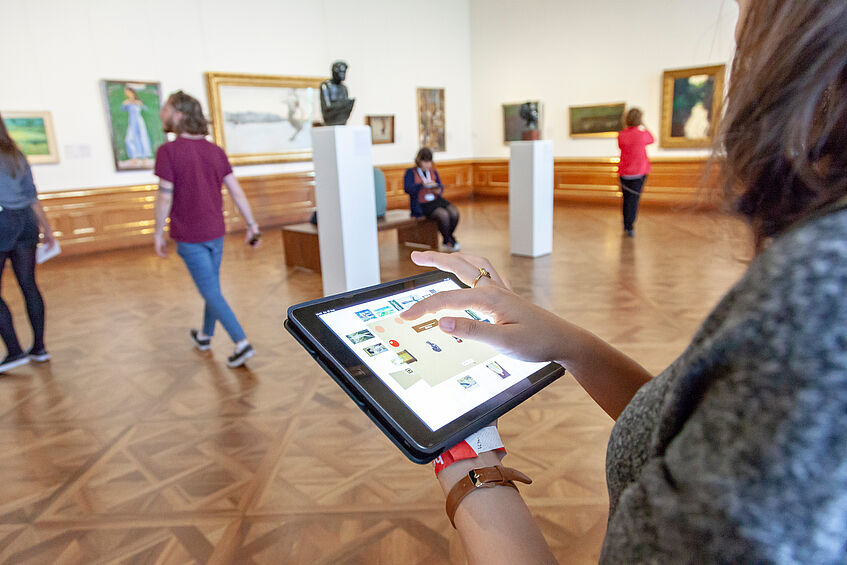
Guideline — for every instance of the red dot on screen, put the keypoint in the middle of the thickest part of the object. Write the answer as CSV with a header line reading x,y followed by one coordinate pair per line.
x,y
393,343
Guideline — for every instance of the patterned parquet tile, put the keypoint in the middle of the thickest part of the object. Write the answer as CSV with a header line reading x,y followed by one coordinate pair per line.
x,y
131,447
107,543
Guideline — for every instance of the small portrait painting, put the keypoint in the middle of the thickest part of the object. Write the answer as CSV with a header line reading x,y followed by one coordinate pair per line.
x,y
382,129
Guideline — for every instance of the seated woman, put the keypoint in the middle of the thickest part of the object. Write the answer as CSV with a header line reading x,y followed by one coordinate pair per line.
x,y
423,185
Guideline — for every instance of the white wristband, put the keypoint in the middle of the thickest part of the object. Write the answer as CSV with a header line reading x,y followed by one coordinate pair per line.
x,y
486,439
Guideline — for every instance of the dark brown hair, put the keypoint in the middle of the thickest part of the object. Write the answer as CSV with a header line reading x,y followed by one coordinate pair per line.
x,y
633,118
10,153
193,122
785,128
425,154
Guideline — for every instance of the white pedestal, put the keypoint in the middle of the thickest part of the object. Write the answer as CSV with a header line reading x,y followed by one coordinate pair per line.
x,y
531,198
344,194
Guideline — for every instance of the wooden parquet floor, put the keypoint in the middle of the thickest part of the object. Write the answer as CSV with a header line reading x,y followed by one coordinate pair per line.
x,y
132,447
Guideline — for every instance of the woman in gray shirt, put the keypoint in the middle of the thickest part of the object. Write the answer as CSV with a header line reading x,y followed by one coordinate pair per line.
x,y
737,453
21,215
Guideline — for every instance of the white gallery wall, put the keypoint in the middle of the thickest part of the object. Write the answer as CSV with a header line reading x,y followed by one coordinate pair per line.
x,y
482,52
575,53
56,52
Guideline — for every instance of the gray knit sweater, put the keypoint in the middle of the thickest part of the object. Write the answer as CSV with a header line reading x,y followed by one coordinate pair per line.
x,y
737,453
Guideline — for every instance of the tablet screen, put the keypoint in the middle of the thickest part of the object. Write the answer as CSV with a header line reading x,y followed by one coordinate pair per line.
x,y
438,376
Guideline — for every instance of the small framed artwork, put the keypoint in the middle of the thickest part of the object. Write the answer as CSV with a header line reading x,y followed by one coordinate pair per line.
x,y
514,125
33,132
132,108
431,114
691,106
382,128
263,118
599,120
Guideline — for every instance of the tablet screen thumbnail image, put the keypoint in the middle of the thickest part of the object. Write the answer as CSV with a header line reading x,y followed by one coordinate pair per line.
x,y
438,376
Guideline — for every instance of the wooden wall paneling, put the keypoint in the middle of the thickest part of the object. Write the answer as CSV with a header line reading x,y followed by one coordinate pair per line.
x,y
287,198
672,182
100,219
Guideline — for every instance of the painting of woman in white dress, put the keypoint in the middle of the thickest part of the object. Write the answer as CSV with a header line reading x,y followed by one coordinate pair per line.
x,y
134,123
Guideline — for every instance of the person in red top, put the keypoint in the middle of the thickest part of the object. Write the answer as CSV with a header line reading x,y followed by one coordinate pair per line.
x,y
633,166
191,171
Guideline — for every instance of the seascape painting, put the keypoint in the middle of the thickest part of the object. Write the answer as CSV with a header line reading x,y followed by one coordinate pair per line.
x,y
267,120
262,118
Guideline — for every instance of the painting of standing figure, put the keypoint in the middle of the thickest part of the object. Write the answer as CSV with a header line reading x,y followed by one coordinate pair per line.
x,y
134,124
691,102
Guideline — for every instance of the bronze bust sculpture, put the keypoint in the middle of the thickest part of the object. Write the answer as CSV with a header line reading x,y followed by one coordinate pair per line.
x,y
529,113
335,105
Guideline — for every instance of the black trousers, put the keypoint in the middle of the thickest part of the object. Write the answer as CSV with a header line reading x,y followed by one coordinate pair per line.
x,y
19,234
445,214
631,189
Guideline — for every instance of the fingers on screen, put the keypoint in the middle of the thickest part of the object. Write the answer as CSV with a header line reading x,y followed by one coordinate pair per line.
x,y
464,266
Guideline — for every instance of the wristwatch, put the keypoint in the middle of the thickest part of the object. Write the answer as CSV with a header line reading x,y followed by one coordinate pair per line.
x,y
485,477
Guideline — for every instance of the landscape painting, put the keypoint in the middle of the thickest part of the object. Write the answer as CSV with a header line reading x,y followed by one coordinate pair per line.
x,y
598,120
33,132
263,119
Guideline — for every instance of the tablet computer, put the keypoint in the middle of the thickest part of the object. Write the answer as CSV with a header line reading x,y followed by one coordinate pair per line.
x,y
425,389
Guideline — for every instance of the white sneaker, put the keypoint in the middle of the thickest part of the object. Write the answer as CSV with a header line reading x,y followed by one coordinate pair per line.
x,y
456,246
239,357
447,248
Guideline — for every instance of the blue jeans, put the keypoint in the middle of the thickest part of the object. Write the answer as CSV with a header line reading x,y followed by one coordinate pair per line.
x,y
204,263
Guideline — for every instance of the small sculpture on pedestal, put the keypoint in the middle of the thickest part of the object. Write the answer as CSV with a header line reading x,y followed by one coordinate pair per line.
x,y
335,105
529,113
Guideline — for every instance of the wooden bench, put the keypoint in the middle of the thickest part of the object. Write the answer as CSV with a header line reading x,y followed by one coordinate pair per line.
x,y
300,241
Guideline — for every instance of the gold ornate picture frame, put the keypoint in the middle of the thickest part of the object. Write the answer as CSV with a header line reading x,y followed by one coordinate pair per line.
x,y
691,106
263,118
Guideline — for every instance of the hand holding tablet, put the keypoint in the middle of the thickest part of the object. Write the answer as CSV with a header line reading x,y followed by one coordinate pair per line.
x,y
427,389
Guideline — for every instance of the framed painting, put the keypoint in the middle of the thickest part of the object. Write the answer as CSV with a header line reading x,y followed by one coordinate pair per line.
x,y
135,129
431,119
263,118
599,120
691,106
382,128
514,125
33,132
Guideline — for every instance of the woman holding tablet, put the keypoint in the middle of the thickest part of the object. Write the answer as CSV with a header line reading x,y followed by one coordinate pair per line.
x,y
737,453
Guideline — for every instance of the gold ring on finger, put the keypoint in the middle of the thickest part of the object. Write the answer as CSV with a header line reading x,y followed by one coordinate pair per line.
x,y
482,273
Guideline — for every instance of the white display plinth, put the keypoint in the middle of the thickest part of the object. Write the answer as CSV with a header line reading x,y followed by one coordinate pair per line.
x,y
531,198
344,195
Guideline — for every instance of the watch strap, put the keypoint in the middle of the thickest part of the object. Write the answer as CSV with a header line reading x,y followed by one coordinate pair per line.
x,y
485,477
